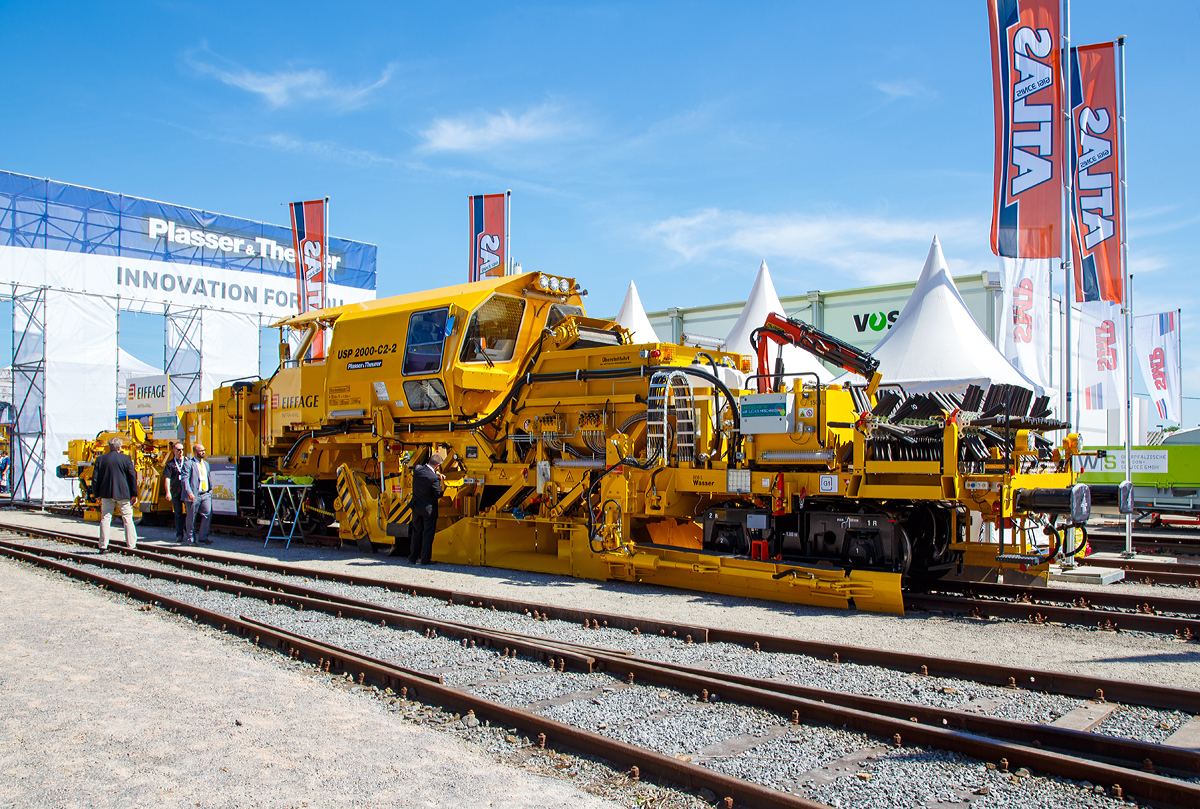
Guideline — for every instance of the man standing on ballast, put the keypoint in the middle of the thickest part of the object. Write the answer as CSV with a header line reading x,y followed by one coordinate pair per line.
x,y
427,489
114,481
173,473
197,491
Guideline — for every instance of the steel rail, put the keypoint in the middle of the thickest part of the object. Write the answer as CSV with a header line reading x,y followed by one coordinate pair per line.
x,y
341,607
617,621
226,623
1150,788
643,762
1126,753
1045,613
1138,571
881,718
1065,683
1185,545
1117,603
1119,751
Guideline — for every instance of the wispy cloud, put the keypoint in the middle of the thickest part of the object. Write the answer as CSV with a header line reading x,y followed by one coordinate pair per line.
x,y
284,88
324,149
902,88
494,130
320,148
868,248
1140,230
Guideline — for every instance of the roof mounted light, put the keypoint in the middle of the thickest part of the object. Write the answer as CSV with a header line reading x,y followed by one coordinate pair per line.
x,y
543,282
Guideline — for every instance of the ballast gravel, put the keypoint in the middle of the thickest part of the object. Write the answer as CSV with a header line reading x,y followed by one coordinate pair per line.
x,y
106,705
833,766
1019,705
802,760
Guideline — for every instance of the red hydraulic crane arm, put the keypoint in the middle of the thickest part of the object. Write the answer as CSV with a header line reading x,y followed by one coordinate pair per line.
x,y
785,330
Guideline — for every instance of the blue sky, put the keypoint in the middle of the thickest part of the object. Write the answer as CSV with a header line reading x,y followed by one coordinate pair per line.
x,y
675,144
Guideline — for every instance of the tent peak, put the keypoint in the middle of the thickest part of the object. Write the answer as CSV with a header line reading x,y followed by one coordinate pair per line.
x,y
633,317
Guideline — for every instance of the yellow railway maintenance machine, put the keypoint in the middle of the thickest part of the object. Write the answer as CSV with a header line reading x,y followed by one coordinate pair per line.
x,y
571,451
149,456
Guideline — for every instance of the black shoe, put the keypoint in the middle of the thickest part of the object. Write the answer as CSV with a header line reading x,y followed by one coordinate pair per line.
x,y
430,562
101,551
206,542
412,561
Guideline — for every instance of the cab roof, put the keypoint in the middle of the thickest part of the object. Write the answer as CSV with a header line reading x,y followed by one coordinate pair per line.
x,y
467,295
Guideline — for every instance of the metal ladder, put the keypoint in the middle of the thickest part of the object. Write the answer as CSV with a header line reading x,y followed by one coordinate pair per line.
x,y
670,390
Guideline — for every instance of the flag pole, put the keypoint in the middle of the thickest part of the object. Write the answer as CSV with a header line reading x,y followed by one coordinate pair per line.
x,y
1068,202
508,232
1128,298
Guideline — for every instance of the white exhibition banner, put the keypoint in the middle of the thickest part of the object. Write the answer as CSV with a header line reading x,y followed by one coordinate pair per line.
x,y
1025,317
1156,341
72,257
226,339
1100,356
80,361
175,285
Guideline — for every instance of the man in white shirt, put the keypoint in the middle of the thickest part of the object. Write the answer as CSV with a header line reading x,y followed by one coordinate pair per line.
x,y
197,491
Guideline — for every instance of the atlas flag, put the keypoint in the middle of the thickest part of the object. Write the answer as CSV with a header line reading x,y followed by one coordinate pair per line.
x,y
1096,162
1027,79
1156,341
1025,317
1099,355
489,234
310,239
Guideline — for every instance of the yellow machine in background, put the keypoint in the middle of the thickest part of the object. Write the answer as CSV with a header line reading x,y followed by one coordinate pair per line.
x,y
149,456
571,451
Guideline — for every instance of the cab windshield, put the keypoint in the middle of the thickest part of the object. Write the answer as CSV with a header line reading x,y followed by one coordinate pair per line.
x,y
493,330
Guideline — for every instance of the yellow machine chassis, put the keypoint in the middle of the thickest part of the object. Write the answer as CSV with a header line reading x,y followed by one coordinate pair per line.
x,y
562,548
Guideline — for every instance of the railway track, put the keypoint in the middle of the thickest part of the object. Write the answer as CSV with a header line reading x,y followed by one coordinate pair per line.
x,y
1181,574
1178,542
1090,608
1009,744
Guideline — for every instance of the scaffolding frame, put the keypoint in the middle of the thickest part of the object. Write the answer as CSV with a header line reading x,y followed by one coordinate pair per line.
x,y
189,325
28,376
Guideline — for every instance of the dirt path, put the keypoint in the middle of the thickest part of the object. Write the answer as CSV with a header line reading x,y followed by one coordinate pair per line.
x,y
102,705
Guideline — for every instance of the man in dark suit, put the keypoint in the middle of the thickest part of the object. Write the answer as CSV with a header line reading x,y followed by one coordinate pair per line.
x,y
427,489
114,481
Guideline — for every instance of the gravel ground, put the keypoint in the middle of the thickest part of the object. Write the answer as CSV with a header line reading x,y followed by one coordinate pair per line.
x,y
678,725
109,706
1124,655
464,666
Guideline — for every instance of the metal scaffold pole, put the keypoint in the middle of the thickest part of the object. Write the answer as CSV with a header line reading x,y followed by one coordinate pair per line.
x,y
1128,295
1068,187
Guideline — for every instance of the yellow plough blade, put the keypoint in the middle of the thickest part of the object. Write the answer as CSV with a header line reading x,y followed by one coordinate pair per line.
x,y
873,591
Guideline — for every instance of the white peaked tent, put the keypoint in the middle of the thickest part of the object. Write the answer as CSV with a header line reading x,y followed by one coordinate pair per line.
x,y
130,366
633,317
761,302
935,344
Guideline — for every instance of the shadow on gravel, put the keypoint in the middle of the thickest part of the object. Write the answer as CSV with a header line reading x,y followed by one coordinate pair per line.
x,y
1191,655
351,556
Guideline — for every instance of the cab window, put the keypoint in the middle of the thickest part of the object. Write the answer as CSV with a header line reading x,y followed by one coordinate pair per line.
x,y
492,332
426,394
560,312
426,336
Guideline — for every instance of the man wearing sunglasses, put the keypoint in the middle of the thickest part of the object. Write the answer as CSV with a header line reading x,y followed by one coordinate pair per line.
x,y
173,473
